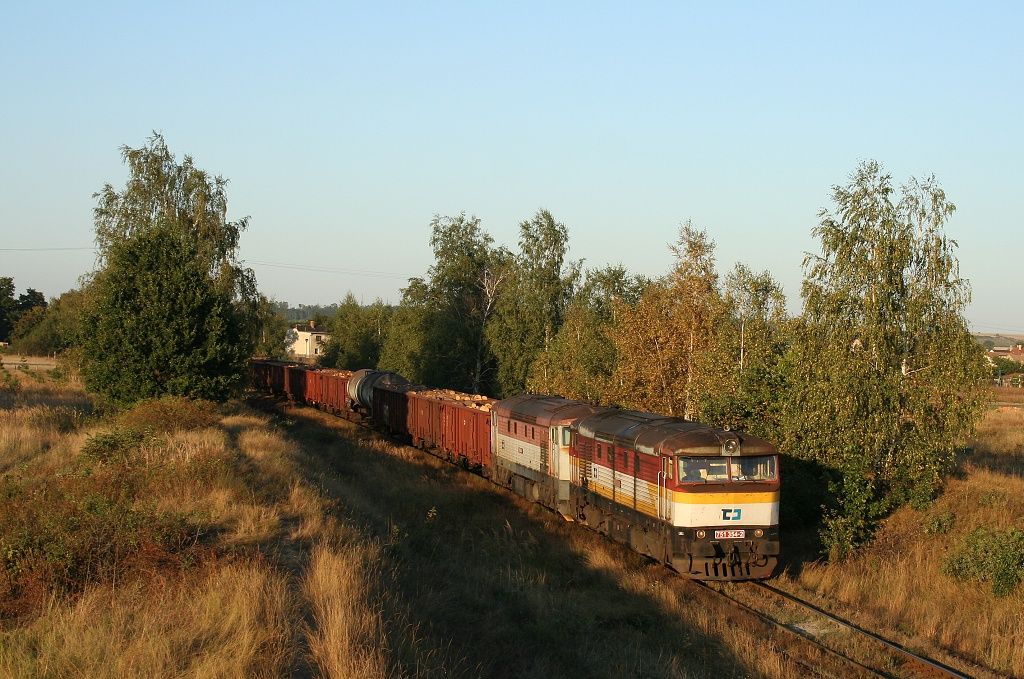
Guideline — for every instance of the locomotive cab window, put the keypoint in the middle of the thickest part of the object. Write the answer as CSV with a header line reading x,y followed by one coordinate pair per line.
x,y
725,469
755,468
565,436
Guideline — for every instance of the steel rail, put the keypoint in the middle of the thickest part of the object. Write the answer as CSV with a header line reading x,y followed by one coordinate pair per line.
x,y
924,666
802,636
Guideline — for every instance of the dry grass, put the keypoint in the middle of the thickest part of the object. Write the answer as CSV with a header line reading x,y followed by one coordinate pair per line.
x,y
235,620
1006,394
897,584
329,552
348,634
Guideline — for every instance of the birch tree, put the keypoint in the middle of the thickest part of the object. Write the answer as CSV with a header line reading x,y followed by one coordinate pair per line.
x,y
884,369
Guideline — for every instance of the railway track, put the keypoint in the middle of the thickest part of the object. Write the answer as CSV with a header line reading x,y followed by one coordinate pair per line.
x,y
805,648
886,658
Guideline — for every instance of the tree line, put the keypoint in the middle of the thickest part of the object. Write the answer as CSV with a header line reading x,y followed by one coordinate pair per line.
x,y
869,390
874,386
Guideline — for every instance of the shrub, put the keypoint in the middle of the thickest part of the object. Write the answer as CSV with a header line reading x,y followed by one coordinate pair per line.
x,y
90,523
9,382
939,524
170,413
114,445
992,556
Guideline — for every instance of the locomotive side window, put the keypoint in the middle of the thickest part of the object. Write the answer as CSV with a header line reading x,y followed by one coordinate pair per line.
x,y
565,436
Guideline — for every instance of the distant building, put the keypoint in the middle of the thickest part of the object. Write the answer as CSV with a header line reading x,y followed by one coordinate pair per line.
x,y
1014,353
305,341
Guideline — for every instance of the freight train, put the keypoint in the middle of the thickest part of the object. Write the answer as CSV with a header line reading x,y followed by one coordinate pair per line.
x,y
703,500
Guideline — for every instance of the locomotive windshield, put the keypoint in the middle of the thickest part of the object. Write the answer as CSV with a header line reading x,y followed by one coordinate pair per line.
x,y
726,469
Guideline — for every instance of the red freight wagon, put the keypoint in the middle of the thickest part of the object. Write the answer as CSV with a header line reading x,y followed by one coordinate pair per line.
x,y
313,387
295,382
452,422
466,432
425,419
335,390
391,407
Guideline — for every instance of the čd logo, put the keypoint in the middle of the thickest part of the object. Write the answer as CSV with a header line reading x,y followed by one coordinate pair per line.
x,y
731,514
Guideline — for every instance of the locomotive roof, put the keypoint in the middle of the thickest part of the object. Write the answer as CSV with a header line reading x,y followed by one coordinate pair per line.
x,y
657,434
543,410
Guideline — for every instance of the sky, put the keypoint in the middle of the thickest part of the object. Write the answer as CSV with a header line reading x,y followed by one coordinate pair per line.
x,y
344,128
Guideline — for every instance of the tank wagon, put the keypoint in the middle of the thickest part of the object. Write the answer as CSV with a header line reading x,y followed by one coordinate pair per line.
x,y
701,499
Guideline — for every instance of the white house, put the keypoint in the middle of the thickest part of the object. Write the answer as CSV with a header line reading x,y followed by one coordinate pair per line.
x,y
305,341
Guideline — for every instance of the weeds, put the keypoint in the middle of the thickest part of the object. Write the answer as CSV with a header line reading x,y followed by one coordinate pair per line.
x,y
171,413
939,524
990,556
61,532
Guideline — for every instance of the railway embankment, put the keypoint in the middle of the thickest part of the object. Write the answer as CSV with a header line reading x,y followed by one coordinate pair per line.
x,y
191,539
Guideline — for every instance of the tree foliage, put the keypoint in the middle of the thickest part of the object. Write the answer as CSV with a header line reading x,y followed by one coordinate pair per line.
x,y
883,368
171,310
579,362
754,338
670,357
8,308
52,328
157,325
532,306
437,334
161,191
357,335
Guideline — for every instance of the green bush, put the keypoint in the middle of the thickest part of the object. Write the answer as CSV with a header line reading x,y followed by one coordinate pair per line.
x,y
939,524
992,556
114,445
9,382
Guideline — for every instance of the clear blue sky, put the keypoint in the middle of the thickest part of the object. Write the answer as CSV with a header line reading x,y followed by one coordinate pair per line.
x,y
343,129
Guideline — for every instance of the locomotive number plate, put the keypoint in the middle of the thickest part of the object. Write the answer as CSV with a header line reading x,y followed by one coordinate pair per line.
x,y
730,534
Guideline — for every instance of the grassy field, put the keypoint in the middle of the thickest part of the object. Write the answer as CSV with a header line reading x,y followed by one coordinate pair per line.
x,y
183,539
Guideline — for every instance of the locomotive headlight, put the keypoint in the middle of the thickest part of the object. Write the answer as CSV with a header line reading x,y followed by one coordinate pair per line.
x,y
758,533
701,534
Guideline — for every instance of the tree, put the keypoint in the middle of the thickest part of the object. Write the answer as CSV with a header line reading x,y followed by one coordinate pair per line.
x,y
272,329
754,336
531,310
883,368
158,324
579,362
357,334
31,299
670,354
50,329
8,307
171,310
437,334
162,191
